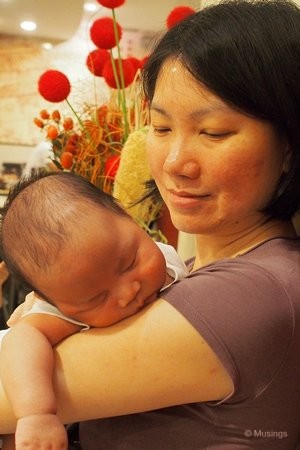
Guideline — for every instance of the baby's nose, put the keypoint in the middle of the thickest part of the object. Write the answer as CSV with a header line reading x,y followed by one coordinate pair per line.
x,y
128,293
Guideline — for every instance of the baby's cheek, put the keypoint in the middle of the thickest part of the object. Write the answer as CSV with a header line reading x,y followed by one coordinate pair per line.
x,y
153,269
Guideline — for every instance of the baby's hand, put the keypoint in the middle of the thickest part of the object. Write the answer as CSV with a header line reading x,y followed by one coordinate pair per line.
x,y
41,432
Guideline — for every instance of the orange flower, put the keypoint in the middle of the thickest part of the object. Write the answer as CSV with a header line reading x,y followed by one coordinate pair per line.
x,y
38,122
52,132
56,115
68,124
66,160
44,114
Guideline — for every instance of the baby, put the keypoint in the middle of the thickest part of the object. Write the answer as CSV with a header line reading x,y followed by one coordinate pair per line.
x,y
88,265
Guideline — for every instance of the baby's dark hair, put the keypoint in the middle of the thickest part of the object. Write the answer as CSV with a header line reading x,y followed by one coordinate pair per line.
x,y
39,215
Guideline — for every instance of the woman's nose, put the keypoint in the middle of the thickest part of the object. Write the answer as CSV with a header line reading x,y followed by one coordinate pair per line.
x,y
181,160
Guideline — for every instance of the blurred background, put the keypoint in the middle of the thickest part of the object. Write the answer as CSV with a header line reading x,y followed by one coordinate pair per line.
x,y
61,41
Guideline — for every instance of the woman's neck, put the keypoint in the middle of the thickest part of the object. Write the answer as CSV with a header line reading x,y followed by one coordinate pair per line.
x,y
210,248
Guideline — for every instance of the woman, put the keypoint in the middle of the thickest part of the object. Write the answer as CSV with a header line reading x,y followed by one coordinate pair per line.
x,y
215,363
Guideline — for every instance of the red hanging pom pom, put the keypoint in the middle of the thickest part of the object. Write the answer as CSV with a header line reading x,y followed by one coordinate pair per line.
x,y
111,3
96,59
128,72
178,14
54,86
102,33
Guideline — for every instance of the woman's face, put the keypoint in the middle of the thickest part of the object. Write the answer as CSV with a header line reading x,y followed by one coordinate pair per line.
x,y
215,167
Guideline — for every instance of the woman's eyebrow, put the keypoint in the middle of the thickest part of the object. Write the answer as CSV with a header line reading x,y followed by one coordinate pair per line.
x,y
197,114
159,110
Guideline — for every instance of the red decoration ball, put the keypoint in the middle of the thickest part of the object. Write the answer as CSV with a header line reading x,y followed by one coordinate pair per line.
x,y
128,72
111,166
96,59
54,86
144,61
136,63
178,14
111,3
102,33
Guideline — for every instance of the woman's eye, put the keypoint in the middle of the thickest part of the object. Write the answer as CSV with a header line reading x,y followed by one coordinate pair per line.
x,y
216,135
160,130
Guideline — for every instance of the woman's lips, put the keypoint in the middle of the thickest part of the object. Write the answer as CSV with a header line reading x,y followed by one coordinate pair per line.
x,y
183,199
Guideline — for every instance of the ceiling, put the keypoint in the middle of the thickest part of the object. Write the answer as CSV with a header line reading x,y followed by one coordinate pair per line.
x,y
59,19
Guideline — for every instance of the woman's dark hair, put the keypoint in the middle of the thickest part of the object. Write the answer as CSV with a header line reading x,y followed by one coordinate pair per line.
x,y
248,54
40,217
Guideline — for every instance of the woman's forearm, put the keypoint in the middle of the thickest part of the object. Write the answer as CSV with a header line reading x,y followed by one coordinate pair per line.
x,y
137,365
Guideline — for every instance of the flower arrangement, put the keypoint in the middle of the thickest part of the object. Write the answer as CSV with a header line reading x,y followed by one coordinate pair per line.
x,y
91,142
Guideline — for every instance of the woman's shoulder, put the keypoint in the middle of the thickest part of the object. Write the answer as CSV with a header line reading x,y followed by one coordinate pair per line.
x,y
242,307
273,261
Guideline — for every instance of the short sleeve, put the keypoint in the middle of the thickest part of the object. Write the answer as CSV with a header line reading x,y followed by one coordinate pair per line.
x,y
42,307
244,314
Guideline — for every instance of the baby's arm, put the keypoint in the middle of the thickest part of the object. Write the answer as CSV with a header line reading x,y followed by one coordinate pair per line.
x,y
26,368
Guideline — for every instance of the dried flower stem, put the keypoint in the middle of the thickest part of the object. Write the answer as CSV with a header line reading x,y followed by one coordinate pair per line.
x,y
122,88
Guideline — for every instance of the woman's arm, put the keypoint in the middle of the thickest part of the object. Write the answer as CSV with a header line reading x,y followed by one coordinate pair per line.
x,y
152,360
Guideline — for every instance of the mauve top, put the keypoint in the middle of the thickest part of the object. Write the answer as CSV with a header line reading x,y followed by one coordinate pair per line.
x,y
248,310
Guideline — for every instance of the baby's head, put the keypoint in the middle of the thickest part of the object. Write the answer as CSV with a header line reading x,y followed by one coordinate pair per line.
x,y
77,248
